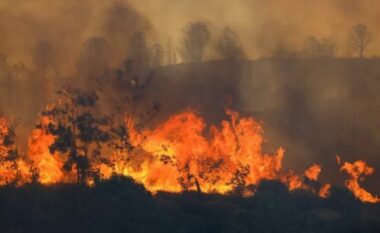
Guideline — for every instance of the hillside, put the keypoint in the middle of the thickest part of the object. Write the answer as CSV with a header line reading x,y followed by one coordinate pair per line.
x,y
120,205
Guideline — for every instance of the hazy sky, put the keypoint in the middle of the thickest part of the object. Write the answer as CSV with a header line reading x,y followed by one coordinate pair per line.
x,y
262,25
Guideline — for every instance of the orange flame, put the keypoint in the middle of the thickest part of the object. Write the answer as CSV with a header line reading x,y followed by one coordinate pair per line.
x,y
12,170
324,192
355,171
313,172
49,166
180,153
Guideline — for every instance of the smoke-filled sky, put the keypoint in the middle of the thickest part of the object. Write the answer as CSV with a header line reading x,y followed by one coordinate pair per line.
x,y
262,25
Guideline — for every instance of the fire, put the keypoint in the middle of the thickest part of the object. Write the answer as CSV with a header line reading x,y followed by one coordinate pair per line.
x,y
324,192
313,172
49,166
356,171
183,153
13,170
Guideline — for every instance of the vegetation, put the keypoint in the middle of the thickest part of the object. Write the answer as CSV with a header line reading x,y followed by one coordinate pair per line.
x,y
228,45
359,39
196,36
120,205
79,134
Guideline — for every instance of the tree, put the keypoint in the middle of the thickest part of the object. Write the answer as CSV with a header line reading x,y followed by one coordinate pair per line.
x,y
228,45
93,60
79,133
156,57
138,55
195,39
43,57
121,23
359,38
9,167
315,48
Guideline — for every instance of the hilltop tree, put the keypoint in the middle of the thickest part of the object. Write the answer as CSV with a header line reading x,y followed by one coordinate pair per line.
x,y
93,60
359,38
138,57
79,132
121,23
315,48
195,39
228,45
43,57
156,57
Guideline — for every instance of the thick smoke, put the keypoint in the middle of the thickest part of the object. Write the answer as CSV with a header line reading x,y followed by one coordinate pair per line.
x,y
264,25
315,108
45,45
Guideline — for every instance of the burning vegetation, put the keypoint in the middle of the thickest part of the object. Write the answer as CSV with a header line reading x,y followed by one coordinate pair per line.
x,y
103,115
73,142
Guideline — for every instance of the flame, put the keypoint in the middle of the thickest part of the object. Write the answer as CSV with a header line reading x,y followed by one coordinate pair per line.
x,y
12,170
324,192
182,152
313,172
49,166
355,171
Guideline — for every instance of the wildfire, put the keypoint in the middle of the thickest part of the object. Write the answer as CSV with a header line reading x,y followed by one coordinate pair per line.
x,y
12,169
324,192
49,166
313,172
356,171
182,153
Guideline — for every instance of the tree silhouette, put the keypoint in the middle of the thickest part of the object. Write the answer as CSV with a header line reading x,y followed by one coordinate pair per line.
x,y
195,38
93,60
79,132
43,57
315,48
228,45
156,56
359,38
8,154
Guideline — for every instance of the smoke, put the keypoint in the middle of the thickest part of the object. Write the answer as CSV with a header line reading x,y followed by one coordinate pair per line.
x,y
264,24
45,44
305,106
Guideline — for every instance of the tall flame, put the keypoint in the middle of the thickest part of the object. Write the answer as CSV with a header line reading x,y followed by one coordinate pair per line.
x,y
182,153
49,166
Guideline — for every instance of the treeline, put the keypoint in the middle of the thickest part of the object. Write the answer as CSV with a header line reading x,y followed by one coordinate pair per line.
x,y
358,40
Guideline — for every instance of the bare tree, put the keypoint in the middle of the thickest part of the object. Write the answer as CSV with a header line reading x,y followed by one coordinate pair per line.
x,y
156,56
359,38
228,45
195,38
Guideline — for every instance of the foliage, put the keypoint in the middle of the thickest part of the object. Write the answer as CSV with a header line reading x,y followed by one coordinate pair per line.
x,y
228,45
121,205
79,132
196,36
